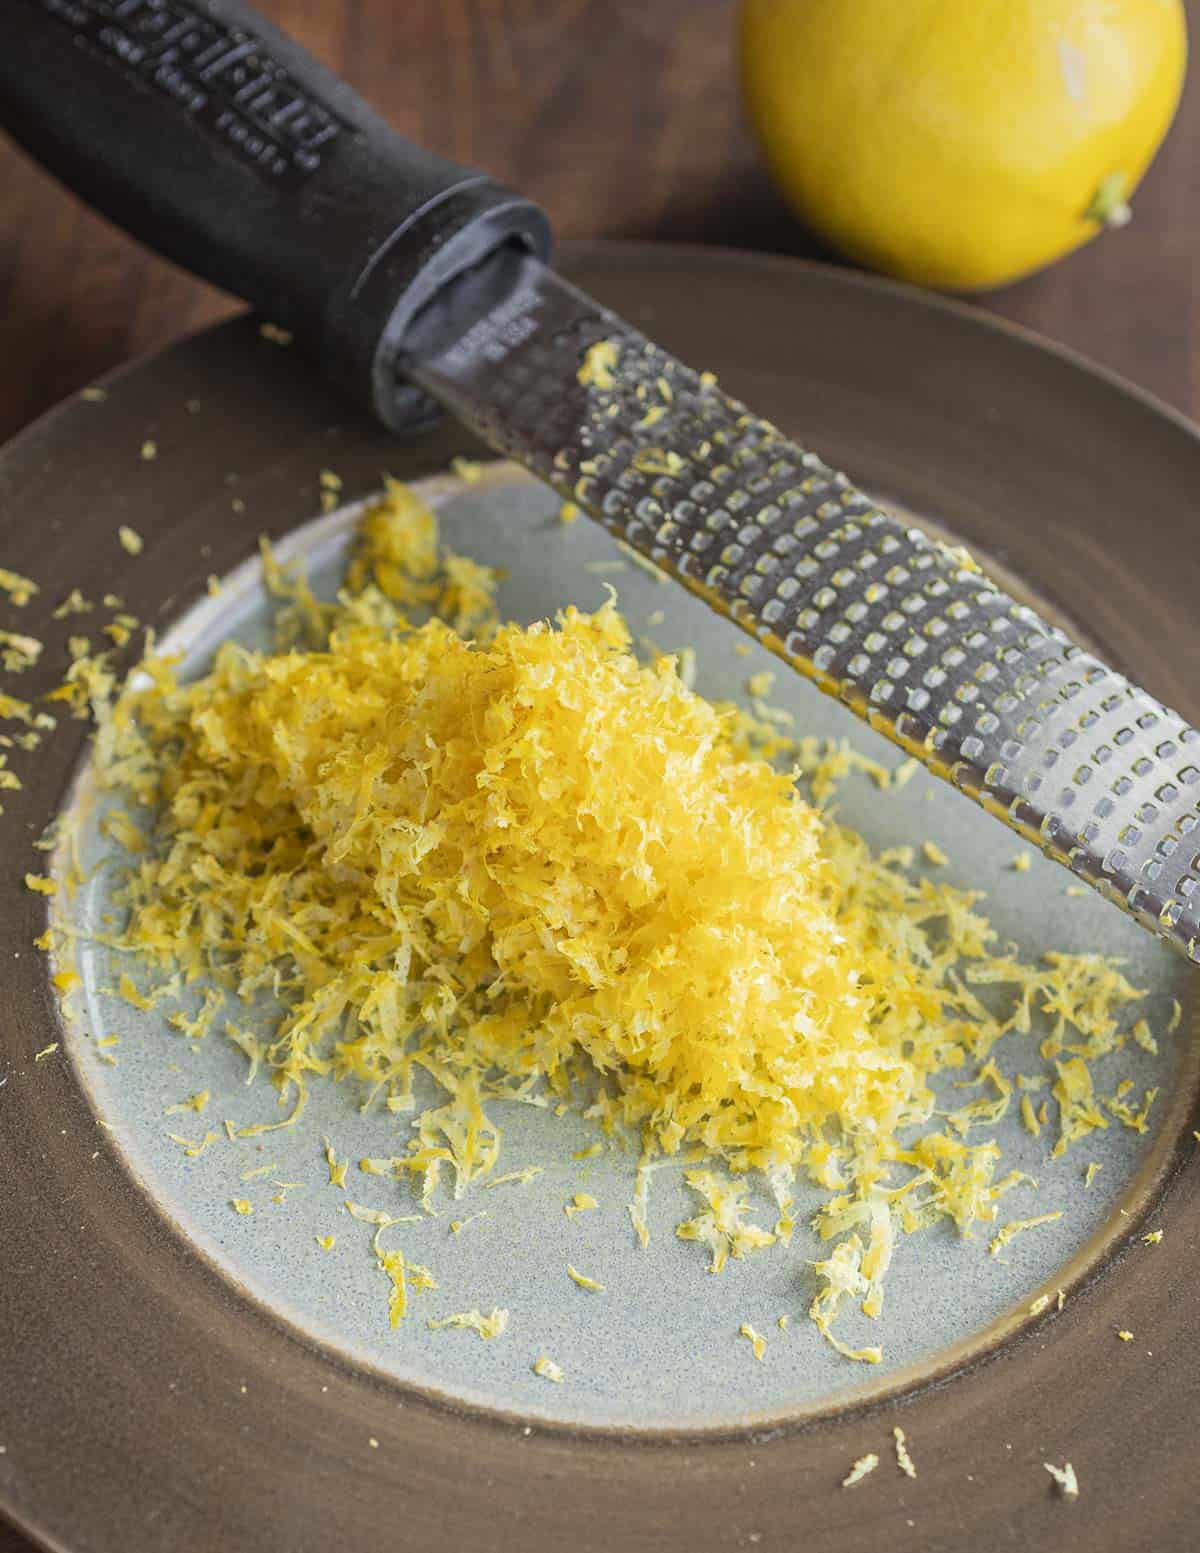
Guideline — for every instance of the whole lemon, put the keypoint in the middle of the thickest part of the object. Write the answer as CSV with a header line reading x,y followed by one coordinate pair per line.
x,y
961,143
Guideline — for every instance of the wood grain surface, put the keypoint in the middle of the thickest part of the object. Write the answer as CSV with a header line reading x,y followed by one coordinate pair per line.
x,y
622,118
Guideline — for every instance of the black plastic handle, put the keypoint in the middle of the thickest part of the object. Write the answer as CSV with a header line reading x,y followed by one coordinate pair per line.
x,y
212,137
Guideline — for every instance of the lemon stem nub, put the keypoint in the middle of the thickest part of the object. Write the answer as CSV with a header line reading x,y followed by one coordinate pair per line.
x,y
1109,205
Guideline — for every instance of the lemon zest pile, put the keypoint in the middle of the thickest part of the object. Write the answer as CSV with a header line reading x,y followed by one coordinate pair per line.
x,y
519,863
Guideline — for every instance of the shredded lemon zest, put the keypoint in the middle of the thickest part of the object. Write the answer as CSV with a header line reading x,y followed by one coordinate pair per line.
x,y
1016,1227
18,652
841,1274
580,1203
1078,1111
547,1369
1064,1477
756,1340
489,1326
19,589
1137,1121
195,1102
517,1177
903,1460
337,1167
723,1227
192,1147
377,1216
860,1469
517,862
584,1281
599,360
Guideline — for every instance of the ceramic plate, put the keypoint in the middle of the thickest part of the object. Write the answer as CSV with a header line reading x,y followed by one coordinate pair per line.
x,y
181,1375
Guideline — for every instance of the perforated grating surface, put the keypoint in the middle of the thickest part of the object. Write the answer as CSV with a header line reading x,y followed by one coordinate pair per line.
x,y
906,632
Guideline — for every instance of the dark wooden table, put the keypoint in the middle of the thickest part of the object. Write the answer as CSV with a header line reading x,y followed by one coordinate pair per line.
x,y
622,118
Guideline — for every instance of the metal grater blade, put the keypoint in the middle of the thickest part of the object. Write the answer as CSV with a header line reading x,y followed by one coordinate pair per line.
x,y
907,632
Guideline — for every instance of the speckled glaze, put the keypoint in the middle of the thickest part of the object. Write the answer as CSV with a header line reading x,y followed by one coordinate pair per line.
x,y
178,1376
